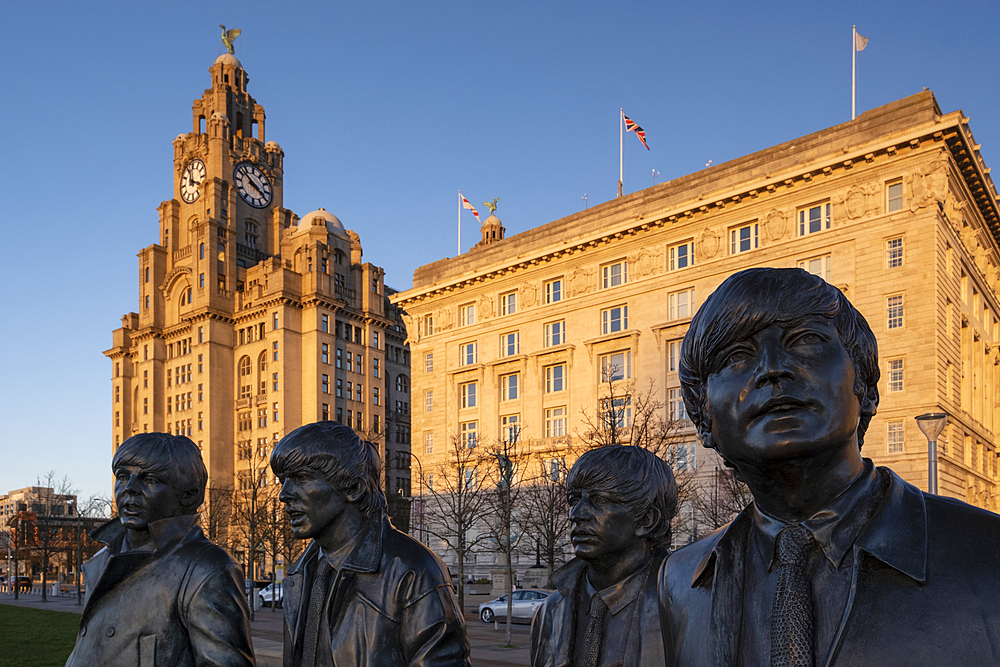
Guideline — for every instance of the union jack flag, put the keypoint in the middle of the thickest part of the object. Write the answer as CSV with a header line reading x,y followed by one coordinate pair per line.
x,y
466,204
632,126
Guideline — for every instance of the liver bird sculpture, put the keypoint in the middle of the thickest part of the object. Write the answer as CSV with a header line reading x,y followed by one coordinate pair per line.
x,y
228,36
493,206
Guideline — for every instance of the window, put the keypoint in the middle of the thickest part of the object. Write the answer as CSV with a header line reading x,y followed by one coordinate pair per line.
x,y
466,354
468,391
894,198
555,333
402,384
201,334
326,383
676,410
685,456
557,469
742,239
274,411
274,348
375,368
339,363
510,429
325,353
201,280
325,413
555,422
894,312
614,319
673,354
375,396
818,266
895,375
894,436
508,303
201,364
893,253
555,378
147,272
681,304
814,219
510,344
615,274
681,256
147,302
616,366
508,387
361,396
553,291
429,400
324,324
471,476
428,446
428,325
428,362
467,315
375,342
350,362
617,412
468,433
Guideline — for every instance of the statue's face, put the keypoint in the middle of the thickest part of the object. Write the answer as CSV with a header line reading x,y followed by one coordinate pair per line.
x,y
787,392
602,528
144,495
312,503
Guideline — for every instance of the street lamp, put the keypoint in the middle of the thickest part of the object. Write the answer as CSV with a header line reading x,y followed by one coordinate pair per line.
x,y
931,424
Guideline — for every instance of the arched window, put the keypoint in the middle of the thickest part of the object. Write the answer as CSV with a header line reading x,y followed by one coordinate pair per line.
x,y
244,367
402,384
262,362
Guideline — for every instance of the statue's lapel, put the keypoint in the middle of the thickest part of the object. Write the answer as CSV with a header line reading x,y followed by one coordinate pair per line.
x,y
726,624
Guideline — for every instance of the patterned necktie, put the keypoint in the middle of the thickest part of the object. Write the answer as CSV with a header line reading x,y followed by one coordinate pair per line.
x,y
791,613
314,614
595,632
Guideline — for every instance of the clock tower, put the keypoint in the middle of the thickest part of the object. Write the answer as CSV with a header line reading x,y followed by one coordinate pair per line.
x,y
251,321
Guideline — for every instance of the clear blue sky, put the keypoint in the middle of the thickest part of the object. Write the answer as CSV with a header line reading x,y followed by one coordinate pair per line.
x,y
385,111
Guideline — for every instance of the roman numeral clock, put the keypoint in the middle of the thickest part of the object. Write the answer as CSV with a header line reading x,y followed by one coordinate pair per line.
x,y
252,184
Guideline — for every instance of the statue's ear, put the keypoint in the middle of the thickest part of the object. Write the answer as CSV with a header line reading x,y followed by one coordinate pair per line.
x,y
644,527
189,499
869,406
354,493
705,433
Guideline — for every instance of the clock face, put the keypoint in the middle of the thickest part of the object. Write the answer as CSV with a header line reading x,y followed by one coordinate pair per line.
x,y
252,184
191,178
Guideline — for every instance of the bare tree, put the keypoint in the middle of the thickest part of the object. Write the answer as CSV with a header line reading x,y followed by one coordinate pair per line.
x,y
509,459
274,532
721,497
454,499
44,534
252,500
544,511
217,516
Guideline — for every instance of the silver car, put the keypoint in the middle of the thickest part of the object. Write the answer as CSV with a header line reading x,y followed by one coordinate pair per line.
x,y
523,605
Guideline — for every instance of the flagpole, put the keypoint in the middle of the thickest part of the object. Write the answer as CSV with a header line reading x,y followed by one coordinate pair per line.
x,y
621,151
459,222
854,59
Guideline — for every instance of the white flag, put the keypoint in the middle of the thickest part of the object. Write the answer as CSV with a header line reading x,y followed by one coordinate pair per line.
x,y
860,42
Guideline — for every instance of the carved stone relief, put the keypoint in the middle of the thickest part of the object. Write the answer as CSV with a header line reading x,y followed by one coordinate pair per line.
x,y
928,184
528,294
711,243
643,262
857,201
485,307
581,280
775,224
445,318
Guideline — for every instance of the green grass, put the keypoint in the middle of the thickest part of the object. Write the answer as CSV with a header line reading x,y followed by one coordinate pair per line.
x,y
36,637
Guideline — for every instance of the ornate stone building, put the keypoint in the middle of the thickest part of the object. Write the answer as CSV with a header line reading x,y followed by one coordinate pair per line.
x,y
253,321
895,208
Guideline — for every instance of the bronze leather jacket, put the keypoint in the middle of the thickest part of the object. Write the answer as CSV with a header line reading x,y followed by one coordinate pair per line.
x,y
391,604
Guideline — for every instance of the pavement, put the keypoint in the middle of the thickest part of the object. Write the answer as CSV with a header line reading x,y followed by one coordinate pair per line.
x,y
268,642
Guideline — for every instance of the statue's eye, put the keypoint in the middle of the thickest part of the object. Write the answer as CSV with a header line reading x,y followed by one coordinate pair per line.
x,y
737,356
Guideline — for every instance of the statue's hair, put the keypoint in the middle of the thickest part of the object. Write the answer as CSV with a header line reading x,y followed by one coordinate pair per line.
x,y
752,300
174,456
346,461
633,477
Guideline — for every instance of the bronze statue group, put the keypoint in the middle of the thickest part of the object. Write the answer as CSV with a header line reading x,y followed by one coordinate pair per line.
x,y
836,562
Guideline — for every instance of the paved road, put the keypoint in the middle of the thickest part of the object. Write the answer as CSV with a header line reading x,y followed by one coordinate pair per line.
x,y
267,631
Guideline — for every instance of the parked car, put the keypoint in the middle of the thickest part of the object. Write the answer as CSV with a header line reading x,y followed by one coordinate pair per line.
x,y
267,595
24,584
523,605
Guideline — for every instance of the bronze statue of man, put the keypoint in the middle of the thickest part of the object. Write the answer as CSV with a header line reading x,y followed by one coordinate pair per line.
x,y
160,593
363,593
604,611
836,562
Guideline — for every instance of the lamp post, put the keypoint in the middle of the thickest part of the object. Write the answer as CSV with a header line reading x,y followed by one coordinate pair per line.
x,y
931,424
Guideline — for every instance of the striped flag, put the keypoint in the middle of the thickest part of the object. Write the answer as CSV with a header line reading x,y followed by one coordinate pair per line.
x,y
632,126
466,204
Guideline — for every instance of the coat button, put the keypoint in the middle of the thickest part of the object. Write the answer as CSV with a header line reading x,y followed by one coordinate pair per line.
x,y
110,632
83,630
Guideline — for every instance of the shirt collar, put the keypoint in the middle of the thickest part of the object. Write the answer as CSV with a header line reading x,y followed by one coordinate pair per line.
x,y
619,594
165,532
836,527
